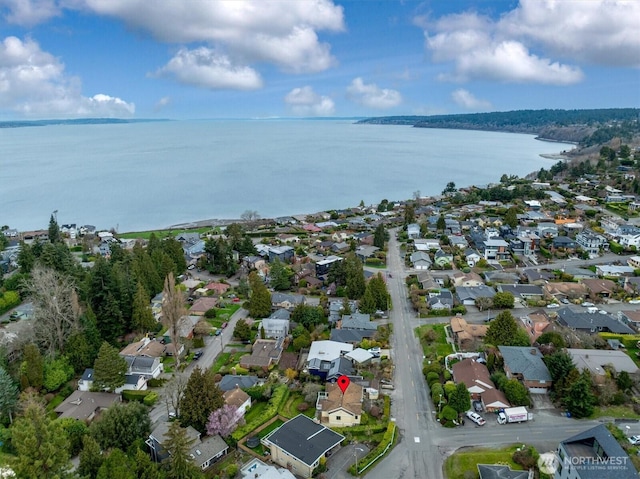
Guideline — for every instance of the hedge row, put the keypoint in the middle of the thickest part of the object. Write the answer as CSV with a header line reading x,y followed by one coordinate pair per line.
x,y
356,430
279,396
387,439
129,395
629,340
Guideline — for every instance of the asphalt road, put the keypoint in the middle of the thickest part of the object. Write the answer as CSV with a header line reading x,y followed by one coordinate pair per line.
x,y
424,444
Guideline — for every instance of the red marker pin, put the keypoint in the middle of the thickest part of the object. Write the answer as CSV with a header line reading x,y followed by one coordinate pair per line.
x,y
343,383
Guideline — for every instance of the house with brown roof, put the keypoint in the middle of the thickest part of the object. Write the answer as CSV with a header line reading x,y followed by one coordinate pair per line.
x,y
144,347
237,398
630,318
466,335
335,409
535,324
470,279
264,353
475,376
202,305
217,288
564,290
599,288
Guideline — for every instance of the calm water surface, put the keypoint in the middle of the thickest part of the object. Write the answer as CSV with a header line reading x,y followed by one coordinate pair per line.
x,y
152,175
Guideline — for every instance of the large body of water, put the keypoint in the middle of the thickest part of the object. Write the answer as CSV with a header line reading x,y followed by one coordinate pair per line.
x,y
151,175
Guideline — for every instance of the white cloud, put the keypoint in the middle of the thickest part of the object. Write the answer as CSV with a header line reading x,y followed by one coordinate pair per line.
x,y
539,41
206,68
466,99
33,83
371,96
306,102
162,102
29,12
283,33
604,32
511,62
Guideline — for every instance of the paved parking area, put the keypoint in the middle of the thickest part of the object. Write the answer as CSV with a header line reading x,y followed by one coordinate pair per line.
x,y
339,462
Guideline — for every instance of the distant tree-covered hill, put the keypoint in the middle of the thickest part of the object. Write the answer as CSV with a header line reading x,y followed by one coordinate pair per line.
x,y
74,121
579,126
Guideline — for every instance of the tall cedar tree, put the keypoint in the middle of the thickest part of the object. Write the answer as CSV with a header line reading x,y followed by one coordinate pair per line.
x,y
90,458
41,443
355,277
460,399
142,319
409,214
379,236
83,346
103,301
201,397
378,288
441,223
172,312
178,462
33,367
117,464
260,299
368,302
121,425
504,331
280,276
8,395
54,230
109,369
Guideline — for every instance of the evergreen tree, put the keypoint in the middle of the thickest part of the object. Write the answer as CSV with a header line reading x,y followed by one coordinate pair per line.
x,y
307,315
142,319
459,399
260,299
409,214
26,258
117,465
354,277
368,302
8,395
144,270
32,368
380,236
201,397
109,369
504,331
173,248
516,393
579,398
104,302
121,425
242,330
90,458
178,462
441,225
40,443
346,307
337,273
145,468
510,217
280,276
378,288
54,231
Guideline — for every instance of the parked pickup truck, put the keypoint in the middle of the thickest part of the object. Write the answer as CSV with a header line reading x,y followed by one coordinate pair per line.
x,y
514,414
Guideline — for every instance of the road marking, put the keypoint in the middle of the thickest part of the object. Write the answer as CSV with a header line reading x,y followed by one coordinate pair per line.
x,y
416,439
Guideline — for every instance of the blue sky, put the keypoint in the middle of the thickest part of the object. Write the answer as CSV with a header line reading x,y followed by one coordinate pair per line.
x,y
321,58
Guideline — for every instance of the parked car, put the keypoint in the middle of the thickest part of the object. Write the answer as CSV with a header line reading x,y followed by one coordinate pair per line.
x,y
224,325
635,440
477,418
375,352
587,304
197,355
564,301
218,332
553,305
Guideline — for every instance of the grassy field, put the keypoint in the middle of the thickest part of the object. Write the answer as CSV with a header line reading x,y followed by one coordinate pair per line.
x,y
438,347
618,412
290,408
161,233
456,465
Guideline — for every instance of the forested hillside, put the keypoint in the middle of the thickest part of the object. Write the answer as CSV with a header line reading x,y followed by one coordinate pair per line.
x,y
586,127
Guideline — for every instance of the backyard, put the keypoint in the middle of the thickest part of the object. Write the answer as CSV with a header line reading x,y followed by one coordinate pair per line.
x,y
459,464
433,339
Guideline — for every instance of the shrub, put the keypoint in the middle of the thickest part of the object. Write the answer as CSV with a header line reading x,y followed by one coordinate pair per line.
x,y
447,375
198,342
155,382
432,378
150,399
449,413
210,313
375,412
138,396
231,470
527,457
303,406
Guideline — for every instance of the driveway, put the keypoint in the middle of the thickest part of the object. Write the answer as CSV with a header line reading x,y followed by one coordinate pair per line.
x,y
344,458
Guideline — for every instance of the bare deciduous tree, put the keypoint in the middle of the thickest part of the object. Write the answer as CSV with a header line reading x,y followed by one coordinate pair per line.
x,y
172,313
174,391
250,217
55,308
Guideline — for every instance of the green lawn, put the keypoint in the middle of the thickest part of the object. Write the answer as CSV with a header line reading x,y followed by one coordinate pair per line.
x,y
256,410
162,233
456,465
290,408
439,347
615,412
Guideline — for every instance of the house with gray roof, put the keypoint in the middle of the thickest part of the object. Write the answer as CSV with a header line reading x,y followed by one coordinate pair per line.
x,y
358,321
522,292
420,260
281,253
351,336
204,452
598,361
276,325
467,295
231,381
591,322
526,365
300,443
593,454
286,301
441,299
413,231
